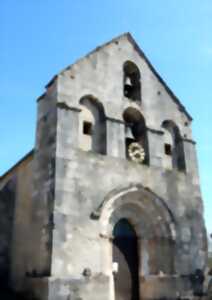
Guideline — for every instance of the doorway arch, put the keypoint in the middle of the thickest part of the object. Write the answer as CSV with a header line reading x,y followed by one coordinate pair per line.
x,y
154,225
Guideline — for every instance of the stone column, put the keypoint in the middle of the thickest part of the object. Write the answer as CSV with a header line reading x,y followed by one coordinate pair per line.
x,y
190,157
155,146
43,187
67,130
115,138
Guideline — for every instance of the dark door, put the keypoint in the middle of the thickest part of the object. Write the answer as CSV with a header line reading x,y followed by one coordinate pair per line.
x,y
125,254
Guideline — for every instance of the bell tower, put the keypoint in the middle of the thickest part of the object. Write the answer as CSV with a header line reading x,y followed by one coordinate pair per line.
x,y
117,208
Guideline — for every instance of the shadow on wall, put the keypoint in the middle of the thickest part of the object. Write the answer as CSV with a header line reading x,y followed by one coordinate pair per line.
x,y
7,202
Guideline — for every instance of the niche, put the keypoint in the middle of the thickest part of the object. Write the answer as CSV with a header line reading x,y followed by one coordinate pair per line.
x,y
92,125
173,146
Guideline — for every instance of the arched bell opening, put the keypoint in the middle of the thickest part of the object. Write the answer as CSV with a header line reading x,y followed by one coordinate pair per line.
x,y
132,82
136,134
125,261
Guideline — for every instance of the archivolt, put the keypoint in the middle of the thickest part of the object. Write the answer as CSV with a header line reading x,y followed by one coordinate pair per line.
x,y
147,212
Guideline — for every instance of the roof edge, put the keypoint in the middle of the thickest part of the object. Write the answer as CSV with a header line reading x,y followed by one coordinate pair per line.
x,y
86,55
142,54
170,92
30,153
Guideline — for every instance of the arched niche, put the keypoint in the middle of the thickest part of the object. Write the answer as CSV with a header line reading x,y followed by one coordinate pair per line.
x,y
173,147
92,125
135,131
131,81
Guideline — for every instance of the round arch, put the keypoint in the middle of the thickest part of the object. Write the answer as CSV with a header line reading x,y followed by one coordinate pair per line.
x,y
152,221
90,99
140,200
92,125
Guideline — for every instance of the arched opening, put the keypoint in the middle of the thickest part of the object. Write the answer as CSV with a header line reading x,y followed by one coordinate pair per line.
x,y
125,261
135,132
132,83
138,213
173,147
92,125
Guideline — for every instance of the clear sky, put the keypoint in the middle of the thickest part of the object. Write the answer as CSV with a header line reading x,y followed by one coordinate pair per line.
x,y
39,38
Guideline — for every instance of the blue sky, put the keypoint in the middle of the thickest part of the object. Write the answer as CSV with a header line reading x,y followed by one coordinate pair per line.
x,y
39,38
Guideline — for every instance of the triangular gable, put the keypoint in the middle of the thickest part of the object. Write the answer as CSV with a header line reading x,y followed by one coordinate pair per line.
x,y
141,53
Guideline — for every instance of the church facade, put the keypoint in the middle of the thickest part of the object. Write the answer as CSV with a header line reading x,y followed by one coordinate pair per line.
x,y
108,204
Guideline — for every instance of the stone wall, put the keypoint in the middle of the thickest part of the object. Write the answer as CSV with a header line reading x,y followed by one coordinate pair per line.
x,y
7,203
82,185
15,222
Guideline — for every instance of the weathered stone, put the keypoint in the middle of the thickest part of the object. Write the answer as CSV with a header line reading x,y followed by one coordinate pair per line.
x,y
78,201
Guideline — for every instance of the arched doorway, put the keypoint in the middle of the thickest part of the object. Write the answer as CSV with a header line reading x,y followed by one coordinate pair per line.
x,y
137,216
125,261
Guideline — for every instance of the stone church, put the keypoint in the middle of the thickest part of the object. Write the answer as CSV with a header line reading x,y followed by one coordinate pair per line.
x,y
107,206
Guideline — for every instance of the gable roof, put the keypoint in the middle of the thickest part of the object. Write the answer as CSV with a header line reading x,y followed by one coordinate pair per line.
x,y
141,53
